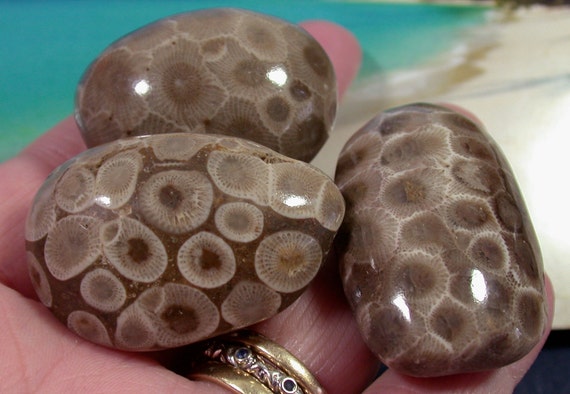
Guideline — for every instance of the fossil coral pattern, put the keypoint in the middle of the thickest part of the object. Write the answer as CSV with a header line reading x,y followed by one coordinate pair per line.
x,y
223,71
439,259
160,241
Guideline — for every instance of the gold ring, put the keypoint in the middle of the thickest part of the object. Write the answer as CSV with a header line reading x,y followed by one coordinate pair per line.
x,y
247,363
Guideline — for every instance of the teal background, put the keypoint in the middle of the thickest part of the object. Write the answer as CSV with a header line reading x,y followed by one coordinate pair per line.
x,y
46,45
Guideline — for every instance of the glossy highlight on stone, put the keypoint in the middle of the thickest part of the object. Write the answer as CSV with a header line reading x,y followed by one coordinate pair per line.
x,y
222,71
438,256
164,240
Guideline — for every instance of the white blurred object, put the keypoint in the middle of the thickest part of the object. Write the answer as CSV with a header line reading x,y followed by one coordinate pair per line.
x,y
516,79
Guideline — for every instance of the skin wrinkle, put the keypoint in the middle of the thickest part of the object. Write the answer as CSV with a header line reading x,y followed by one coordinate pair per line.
x,y
29,376
346,334
96,372
117,376
11,235
329,311
17,355
59,360
61,357
52,372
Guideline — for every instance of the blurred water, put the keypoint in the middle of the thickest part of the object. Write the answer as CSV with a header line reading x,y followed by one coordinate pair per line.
x,y
46,45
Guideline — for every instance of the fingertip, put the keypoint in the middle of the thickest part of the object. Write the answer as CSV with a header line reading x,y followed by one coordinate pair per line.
x,y
550,300
465,112
58,145
342,48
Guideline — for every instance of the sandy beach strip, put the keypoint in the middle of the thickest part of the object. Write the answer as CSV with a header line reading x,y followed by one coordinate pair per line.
x,y
513,74
470,3
523,96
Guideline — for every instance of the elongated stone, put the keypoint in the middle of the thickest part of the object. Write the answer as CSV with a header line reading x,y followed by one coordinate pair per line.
x,y
221,70
438,257
160,241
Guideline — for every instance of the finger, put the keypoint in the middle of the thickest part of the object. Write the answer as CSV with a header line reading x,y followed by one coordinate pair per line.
x,y
502,380
465,113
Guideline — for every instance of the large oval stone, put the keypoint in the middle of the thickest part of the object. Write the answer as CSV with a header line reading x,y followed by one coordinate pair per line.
x,y
223,71
438,257
160,241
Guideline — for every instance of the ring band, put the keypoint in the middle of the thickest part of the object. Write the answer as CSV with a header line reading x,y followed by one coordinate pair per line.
x,y
247,362
228,376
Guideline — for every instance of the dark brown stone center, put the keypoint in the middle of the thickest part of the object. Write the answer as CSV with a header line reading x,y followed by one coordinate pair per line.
x,y
138,250
170,197
448,324
471,214
180,319
489,253
418,279
277,109
210,260
316,59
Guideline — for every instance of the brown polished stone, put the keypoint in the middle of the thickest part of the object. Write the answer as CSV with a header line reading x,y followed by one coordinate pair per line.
x,y
438,256
164,240
222,71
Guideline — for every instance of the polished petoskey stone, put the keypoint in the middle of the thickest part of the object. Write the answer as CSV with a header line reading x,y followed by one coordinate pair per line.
x,y
222,71
160,241
438,256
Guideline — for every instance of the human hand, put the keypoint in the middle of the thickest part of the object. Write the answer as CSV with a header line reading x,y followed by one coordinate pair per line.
x,y
40,355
